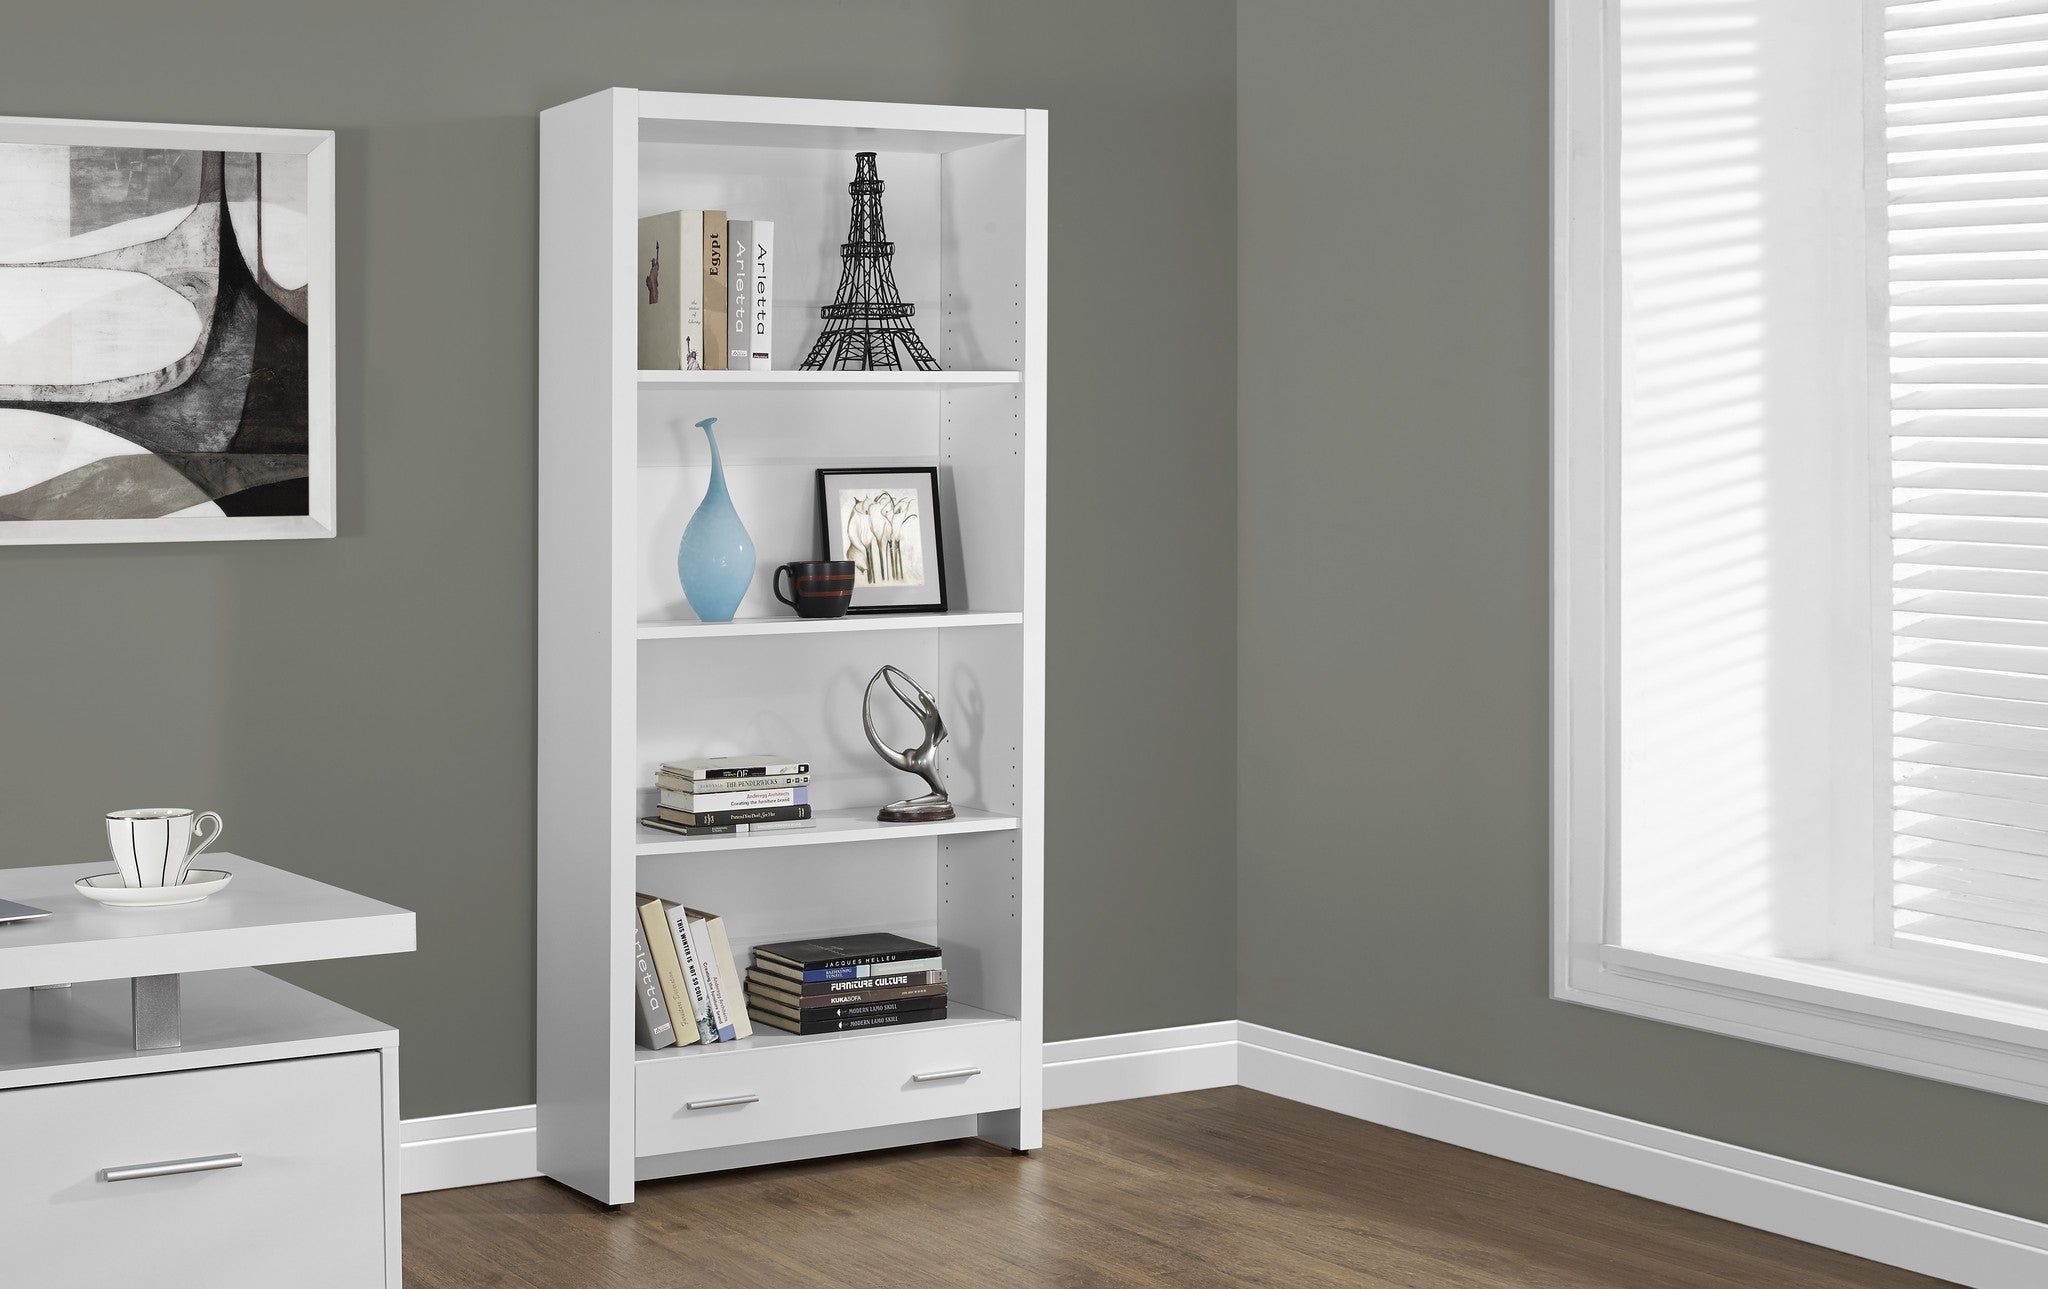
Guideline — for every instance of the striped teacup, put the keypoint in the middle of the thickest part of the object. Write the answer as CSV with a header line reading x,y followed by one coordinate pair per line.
x,y
153,847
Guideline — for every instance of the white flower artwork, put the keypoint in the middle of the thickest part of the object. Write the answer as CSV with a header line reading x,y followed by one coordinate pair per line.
x,y
885,521
883,537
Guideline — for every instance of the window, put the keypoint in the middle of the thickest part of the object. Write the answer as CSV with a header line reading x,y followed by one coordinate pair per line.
x,y
1801,556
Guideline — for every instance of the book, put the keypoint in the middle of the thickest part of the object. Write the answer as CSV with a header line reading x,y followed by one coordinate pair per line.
x,y
651,1021
752,765
751,783
832,988
728,972
753,814
780,825
700,802
714,988
716,302
836,1010
839,1026
828,974
671,291
691,830
846,950
777,989
761,356
668,968
693,977
739,294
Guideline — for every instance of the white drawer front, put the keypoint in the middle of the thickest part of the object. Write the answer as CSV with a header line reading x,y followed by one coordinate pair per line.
x,y
713,1098
304,1207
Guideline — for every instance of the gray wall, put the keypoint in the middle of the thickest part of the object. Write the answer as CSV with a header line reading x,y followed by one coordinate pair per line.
x,y
1392,616
361,710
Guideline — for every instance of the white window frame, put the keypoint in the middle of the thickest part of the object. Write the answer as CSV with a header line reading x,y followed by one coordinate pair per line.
x,y
1945,1021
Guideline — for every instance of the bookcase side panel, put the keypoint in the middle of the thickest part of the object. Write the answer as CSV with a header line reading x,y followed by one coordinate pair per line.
x,y
1024,1130
586,640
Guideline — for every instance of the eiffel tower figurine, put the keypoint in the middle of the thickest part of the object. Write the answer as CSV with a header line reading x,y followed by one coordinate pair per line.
x,y
868,317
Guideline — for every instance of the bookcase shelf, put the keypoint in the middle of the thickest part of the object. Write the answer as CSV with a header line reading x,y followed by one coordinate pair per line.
x,y
793,626
623,468
829,380
765,1038
832,827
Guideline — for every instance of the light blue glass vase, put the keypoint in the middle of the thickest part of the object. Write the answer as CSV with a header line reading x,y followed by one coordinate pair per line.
x,y
716,559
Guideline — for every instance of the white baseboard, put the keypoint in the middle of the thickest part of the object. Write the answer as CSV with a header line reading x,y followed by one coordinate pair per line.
x,y
1890,1224
1148,1063
1938,1237
472,1149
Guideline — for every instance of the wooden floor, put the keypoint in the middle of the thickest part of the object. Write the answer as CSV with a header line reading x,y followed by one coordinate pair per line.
x,y
1224,1188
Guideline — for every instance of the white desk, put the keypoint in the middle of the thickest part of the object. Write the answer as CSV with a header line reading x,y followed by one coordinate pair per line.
x,y
238,1130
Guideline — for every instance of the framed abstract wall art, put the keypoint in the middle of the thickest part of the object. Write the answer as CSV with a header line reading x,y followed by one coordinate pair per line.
x,y
886,520
166,332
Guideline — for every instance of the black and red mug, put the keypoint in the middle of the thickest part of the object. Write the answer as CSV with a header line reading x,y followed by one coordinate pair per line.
x,y
819,588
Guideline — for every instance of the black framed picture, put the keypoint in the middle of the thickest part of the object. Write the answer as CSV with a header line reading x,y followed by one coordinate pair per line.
x,y
886,520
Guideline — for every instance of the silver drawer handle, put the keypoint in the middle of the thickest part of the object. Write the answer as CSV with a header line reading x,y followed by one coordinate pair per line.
x,y
938,1075
170,1168
745,1099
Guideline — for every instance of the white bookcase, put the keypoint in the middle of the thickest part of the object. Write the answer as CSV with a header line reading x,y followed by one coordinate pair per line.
x,y
629,677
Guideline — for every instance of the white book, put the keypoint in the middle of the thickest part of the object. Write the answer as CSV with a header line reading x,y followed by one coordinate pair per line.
x,y
750,765
698,803
671,291
714,989
763,313
728,974
739,321
693,970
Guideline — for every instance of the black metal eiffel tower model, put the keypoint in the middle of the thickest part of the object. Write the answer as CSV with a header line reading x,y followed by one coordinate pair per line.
x,y
868,317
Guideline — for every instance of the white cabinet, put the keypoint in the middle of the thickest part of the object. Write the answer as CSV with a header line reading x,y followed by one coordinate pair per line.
x,y
239,1177
257,1146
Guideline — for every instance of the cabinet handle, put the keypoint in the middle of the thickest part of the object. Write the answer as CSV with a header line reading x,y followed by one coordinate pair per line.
x,y
170,1168
937,1075
745,1098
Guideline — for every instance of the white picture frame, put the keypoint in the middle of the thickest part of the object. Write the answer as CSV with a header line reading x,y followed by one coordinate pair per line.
x,y
317,148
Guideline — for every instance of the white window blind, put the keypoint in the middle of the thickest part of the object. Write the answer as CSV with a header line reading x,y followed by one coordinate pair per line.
x,y
1966,155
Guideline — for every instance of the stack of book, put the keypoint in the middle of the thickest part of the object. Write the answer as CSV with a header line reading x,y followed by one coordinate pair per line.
x,y
686,985
758,792
846,982
705,288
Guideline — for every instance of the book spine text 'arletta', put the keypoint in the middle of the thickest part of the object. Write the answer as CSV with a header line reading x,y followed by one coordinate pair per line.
x,y
651,1022
761,357
739,294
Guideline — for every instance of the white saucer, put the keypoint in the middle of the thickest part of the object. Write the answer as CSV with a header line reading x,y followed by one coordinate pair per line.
x,y
198,884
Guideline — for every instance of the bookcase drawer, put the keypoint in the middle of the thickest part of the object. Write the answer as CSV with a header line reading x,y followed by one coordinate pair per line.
x,y
701,1098
237,1177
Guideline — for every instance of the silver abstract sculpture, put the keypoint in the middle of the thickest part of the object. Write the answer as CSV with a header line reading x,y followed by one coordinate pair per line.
x,y
922,760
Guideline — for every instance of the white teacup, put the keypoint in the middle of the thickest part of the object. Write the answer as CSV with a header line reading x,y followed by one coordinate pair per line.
x,y
154,847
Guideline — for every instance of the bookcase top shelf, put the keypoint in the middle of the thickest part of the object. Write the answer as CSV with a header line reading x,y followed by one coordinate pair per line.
x,y
832,827
958,1016
825,379
845,125
794,626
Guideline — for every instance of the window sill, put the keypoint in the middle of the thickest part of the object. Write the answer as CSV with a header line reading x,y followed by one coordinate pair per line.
x,y
1829,1008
